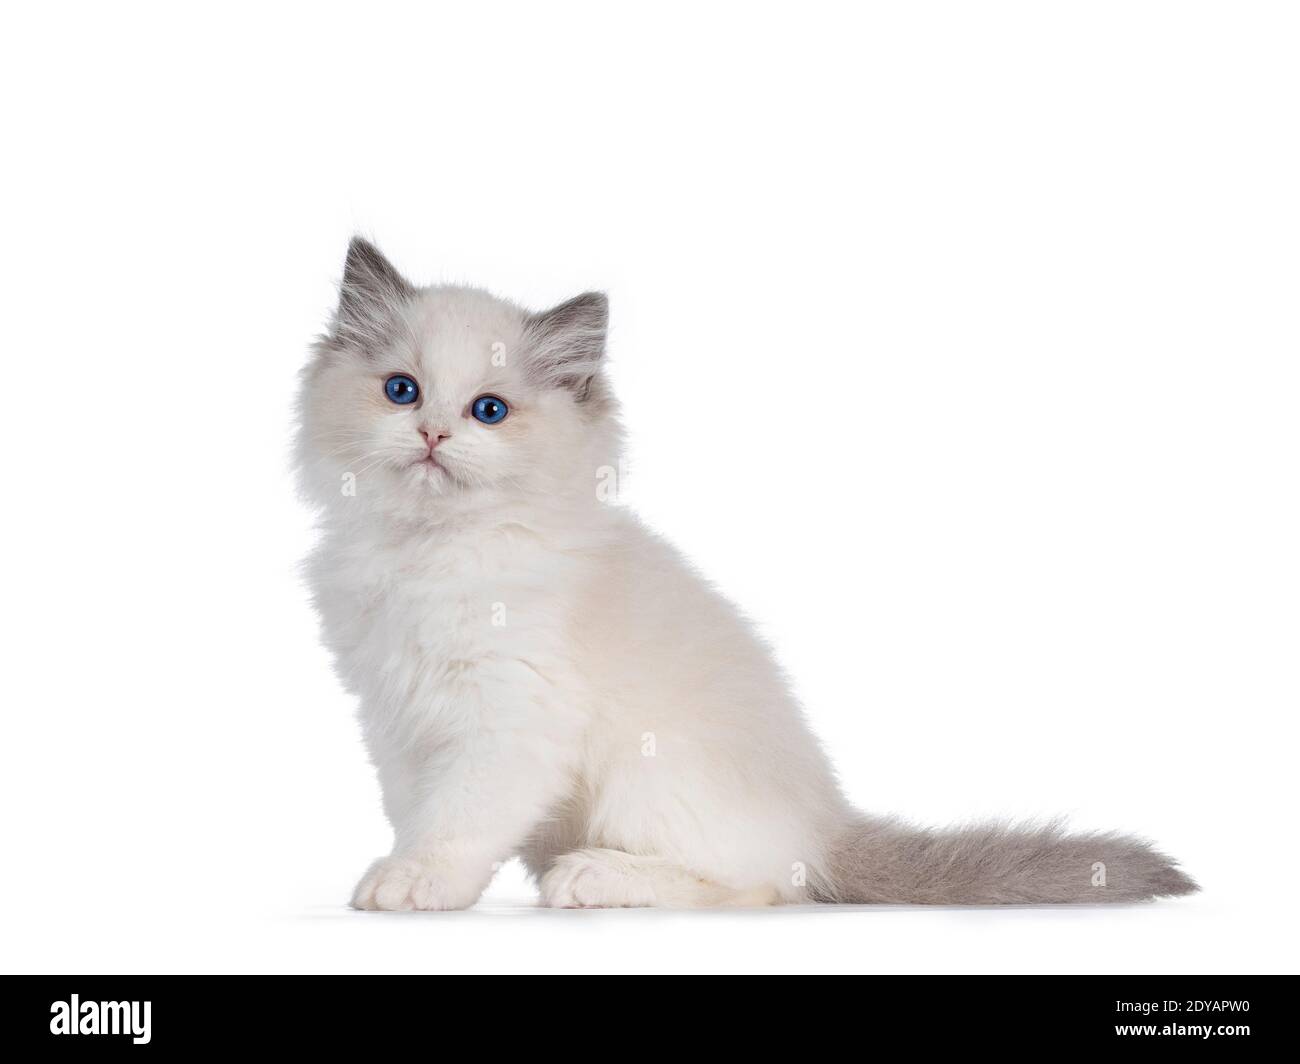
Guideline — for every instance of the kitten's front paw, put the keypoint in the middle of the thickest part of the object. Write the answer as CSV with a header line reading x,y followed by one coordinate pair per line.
x,y
397,883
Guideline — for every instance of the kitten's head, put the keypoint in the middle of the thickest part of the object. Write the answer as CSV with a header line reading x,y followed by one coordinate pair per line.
x,y
417,397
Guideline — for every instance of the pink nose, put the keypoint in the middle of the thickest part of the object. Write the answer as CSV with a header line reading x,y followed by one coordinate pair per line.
x,y
433,438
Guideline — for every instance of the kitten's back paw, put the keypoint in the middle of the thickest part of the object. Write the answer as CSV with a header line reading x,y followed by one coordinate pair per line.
x,y
405,883
598,879
594,879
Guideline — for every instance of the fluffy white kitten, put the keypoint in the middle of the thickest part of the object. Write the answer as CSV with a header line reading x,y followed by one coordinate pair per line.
x,y
540,675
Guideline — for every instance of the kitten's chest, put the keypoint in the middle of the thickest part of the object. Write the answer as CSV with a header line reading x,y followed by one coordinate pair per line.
x,y
405,619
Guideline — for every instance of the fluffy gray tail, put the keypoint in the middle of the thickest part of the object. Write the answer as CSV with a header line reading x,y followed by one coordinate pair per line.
x,y
884,861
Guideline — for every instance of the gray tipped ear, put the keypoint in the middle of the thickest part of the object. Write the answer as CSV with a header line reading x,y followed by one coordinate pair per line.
x,y
371,293
566,344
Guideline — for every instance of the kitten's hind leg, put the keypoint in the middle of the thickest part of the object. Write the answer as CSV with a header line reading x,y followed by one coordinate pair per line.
x,y
594,879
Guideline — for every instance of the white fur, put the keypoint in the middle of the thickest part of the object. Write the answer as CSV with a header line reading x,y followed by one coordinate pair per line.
x,y
538,674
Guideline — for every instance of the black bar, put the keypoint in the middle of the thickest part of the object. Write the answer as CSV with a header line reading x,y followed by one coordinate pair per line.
x,y
1051,1013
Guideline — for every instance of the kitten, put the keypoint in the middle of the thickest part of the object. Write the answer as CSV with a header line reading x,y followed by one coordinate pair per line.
x,y
540,675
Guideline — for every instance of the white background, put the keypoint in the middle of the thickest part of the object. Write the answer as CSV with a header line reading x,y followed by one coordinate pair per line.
x,y
958,344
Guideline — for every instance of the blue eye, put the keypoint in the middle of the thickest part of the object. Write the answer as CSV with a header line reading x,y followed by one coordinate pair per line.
x,y
489,409
401,389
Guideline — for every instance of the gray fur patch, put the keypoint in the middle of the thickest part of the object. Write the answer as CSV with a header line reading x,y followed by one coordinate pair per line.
x,y
370,297
567,344
885,861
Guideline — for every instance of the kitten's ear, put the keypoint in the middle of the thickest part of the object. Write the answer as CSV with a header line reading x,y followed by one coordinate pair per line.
x,y
371,293
566,344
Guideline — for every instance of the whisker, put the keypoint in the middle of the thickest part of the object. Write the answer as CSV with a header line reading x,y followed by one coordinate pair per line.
x,y
384,456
